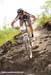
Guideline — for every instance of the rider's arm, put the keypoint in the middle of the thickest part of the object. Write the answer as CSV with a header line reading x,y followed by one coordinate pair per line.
x,y
16,18
32,16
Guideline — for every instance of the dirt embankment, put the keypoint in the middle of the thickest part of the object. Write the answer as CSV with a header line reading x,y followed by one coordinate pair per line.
x,y
13,56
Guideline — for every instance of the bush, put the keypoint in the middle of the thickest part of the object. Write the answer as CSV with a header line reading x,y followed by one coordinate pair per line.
x,y
44,18
7,34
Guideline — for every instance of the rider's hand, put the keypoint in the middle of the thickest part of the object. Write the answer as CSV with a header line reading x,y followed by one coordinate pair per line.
x,y
12,25
35,19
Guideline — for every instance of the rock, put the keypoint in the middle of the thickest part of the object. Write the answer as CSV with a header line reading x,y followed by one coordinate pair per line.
x,y
8,44
48,69
1,51
47,25
35,46
19,40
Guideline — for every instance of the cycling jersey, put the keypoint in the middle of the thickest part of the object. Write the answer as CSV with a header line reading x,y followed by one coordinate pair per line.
x,y
25,16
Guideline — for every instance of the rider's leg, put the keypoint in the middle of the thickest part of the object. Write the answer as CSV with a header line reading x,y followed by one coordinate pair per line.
x,y
31,29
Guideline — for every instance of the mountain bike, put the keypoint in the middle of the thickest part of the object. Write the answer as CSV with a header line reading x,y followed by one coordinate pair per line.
x,y
27,40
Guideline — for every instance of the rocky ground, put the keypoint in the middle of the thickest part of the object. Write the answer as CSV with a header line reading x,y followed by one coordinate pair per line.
x,y
13,56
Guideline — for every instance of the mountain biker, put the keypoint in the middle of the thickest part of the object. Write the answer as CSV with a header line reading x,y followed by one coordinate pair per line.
x,y
24,15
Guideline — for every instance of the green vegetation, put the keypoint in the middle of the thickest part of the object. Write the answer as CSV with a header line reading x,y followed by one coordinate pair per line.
x,y
8,34
45,15
44,18
48,3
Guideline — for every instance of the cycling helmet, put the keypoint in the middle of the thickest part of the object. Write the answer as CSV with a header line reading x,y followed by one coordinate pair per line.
x,y
20,11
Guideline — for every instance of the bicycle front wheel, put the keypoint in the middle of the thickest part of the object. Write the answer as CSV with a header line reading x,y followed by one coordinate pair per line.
x,y
28,48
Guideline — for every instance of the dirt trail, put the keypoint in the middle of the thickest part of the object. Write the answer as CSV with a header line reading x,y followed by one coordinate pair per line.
x,y
13,56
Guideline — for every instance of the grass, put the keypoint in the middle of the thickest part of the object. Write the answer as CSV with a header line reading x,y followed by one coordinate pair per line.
x,y
8,34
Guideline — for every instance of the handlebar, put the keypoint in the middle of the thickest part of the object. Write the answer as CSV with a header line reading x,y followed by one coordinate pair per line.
x,y
32,22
